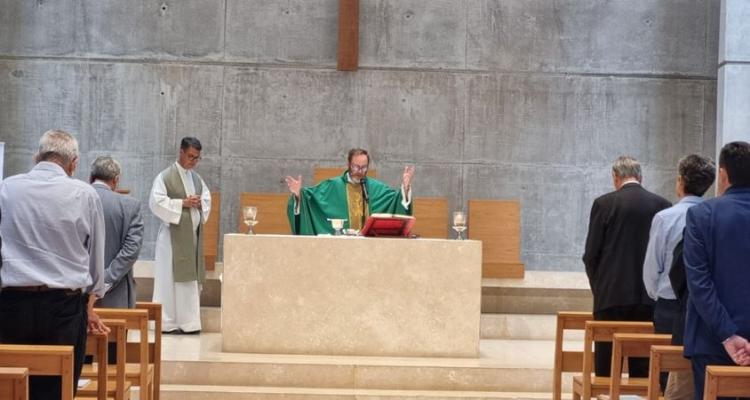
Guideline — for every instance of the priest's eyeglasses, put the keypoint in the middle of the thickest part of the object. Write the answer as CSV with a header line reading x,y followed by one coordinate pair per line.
x,y
358,168
194,158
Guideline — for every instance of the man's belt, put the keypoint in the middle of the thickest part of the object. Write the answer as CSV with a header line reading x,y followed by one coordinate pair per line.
x,y
40,289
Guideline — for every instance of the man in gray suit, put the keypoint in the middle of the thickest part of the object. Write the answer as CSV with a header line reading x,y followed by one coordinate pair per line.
x,y
124,234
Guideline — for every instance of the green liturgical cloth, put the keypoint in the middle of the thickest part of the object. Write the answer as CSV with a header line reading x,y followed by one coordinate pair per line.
x,y
329,199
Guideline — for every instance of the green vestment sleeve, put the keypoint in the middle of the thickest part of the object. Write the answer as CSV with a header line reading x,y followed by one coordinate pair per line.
x,y
328,199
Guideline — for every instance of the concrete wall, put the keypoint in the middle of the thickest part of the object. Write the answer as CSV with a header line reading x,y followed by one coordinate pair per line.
x,y
521,99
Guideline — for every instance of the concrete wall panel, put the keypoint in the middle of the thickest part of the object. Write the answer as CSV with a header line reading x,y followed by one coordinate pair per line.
x,y
650,36
284,113
269,31
413,33
38,27
102,28
582,120
414,116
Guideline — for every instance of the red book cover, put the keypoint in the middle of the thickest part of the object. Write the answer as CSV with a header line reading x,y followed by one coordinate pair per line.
x,y
388,225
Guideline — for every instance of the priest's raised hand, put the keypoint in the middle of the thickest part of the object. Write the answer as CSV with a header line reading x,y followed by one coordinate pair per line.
x,y
294,185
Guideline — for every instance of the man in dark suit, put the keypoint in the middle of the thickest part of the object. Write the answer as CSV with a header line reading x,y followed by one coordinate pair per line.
x,y
716,248
615,250
124,234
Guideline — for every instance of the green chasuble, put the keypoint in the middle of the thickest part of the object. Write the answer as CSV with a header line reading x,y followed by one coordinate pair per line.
x,y
329,199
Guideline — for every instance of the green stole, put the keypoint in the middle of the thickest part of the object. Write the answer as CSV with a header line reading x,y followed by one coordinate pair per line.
x,y
187,253
330,199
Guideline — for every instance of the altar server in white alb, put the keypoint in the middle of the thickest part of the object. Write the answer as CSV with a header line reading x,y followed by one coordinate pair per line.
x,y
180,199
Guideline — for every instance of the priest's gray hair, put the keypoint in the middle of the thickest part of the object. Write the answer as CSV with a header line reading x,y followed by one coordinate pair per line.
x,y
105,168
57,145
626,167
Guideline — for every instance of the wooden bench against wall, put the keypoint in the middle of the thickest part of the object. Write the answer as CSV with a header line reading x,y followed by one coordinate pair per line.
x,y
567,360
42,361
726,381
14,383
211,232
322,173
272,217
497,224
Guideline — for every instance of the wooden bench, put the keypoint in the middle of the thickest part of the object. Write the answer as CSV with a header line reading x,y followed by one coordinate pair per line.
x,y
497,224
138,370
113,385
154,348
41,360
211,230
664,358
567,360
726,381
322,173
632,345
431,215
14,383
586,385
272,217
96,346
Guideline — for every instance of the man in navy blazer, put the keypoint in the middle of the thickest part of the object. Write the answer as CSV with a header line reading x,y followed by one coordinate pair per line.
x,y
716,249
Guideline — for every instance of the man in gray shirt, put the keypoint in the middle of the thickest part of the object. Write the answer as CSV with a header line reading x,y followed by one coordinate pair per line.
x,y
124,234
52,230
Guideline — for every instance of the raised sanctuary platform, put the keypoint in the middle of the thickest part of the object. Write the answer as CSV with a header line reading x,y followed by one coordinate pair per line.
x,y
337,295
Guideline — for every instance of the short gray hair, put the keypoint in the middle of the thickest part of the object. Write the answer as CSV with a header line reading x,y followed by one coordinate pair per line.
x,y
57,144
626,167
105,168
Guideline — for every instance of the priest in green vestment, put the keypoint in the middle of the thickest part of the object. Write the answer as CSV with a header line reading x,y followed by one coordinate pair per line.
x,y
352,197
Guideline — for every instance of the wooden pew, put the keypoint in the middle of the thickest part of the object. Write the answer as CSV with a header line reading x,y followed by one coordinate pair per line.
x,y
726,381
664,359
14,383
586,385
498,225
567,361
96,346
322,173
154,349
211,232
138,371
631,345
42,361
431,215
114,384
272,218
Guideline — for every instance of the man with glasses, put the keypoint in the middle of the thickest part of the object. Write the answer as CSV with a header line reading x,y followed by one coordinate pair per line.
x,y
352,197
180,199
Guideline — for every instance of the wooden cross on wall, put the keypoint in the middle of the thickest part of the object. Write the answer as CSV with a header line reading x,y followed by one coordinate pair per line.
x,y
348,50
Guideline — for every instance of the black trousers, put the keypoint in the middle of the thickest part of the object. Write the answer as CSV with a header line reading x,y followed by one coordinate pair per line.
x,y
665,313
54,317
637,367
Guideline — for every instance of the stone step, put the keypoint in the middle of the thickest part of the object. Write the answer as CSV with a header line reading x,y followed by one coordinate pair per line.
x,y
503,366
206,392
540,292
492,326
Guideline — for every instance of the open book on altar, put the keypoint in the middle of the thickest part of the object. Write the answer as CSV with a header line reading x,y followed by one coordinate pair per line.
x,y
388,225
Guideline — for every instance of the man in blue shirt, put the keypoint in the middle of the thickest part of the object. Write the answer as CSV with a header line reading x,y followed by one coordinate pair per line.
x,y
52,230
695,175
716,248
